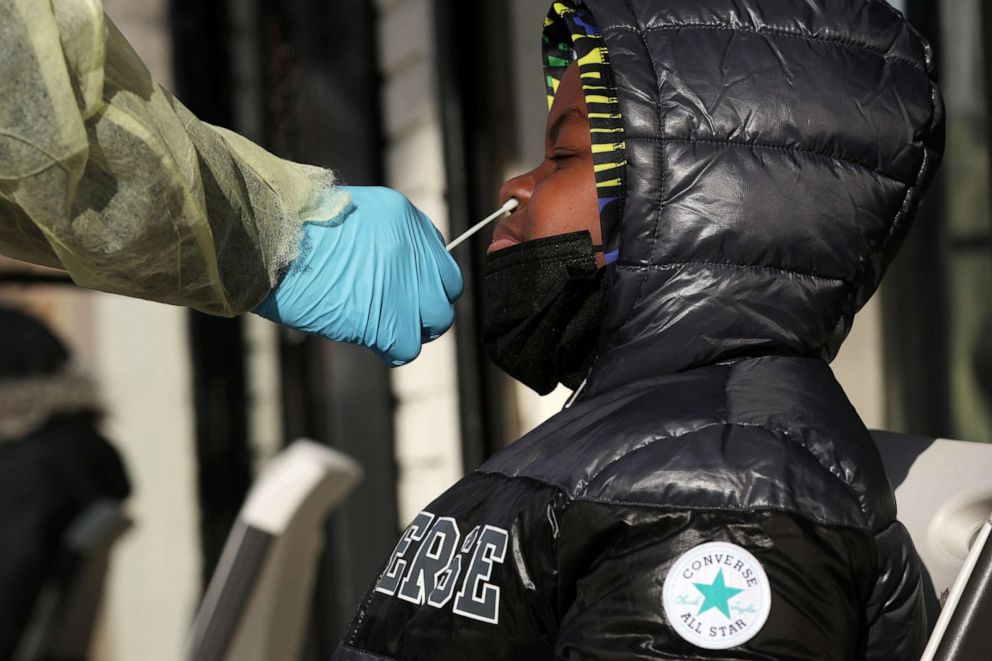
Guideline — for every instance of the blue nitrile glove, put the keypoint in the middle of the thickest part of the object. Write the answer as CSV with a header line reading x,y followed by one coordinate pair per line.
x,y
377,275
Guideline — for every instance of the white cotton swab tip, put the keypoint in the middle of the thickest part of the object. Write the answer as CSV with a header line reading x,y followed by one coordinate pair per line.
x,y
510,205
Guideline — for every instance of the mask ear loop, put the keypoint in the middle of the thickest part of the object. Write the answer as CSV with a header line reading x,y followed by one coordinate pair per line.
x,y
608,258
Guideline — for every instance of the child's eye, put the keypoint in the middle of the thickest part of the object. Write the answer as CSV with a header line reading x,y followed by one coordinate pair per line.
x,y
561,155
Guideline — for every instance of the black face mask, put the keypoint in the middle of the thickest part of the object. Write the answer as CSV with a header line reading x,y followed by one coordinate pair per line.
x,y
544,306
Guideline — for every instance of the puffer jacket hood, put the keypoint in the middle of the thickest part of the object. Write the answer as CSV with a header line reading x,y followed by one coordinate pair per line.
x,y
775,155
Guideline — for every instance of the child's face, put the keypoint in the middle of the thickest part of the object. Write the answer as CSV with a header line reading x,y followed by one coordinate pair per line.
x,y
559,195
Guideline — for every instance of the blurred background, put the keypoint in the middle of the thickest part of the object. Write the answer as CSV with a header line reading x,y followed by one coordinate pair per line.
x,y
442,100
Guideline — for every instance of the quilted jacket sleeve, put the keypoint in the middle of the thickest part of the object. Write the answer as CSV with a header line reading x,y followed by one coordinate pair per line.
x,y
105,175
898,600
817,576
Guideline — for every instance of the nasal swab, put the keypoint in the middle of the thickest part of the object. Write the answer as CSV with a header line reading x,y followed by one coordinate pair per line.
x,y
510,205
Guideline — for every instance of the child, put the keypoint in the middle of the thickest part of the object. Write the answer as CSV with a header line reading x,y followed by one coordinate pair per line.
x,y
724,184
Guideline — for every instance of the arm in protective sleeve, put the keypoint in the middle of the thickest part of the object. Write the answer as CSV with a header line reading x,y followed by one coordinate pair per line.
x,y
818,577
105,175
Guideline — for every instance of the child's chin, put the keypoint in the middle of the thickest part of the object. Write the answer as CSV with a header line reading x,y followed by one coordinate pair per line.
x,y
500,244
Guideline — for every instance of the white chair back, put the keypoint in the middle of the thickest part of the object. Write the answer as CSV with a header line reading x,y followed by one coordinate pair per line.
x,y
257,605
944,494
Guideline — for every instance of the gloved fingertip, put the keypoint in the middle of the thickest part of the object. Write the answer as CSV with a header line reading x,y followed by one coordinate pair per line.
x,y
404,351
451,278
437,320
388,359
399,362
457,288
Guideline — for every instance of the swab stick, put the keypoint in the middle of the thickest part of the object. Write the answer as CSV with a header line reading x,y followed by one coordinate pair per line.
x,y
510,205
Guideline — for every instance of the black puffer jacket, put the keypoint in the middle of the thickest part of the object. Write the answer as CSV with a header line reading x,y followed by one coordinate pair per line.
x,y
776,154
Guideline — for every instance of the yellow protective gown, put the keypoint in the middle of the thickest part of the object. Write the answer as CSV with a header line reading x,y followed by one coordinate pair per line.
x,y
106,175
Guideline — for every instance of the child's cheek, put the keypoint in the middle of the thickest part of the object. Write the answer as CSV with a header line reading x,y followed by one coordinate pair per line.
x,y
565,202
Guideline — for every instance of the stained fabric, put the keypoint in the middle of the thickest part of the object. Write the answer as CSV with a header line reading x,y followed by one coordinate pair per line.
x,y
105,174
774,156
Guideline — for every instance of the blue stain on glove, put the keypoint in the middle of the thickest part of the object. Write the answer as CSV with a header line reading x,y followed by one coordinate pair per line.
x,y
377,275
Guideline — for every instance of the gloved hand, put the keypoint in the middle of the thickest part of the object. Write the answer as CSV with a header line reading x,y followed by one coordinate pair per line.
x,y
377,275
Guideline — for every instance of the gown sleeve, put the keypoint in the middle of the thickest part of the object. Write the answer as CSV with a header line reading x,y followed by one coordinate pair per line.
x,y
103,173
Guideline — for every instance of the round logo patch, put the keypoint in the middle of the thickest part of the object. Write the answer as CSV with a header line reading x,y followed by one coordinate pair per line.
x,y
717,596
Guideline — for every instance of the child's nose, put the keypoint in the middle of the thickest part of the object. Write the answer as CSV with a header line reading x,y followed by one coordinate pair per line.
x,y
519,187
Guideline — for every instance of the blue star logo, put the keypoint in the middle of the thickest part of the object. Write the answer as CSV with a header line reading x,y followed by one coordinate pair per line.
x,y
716,595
